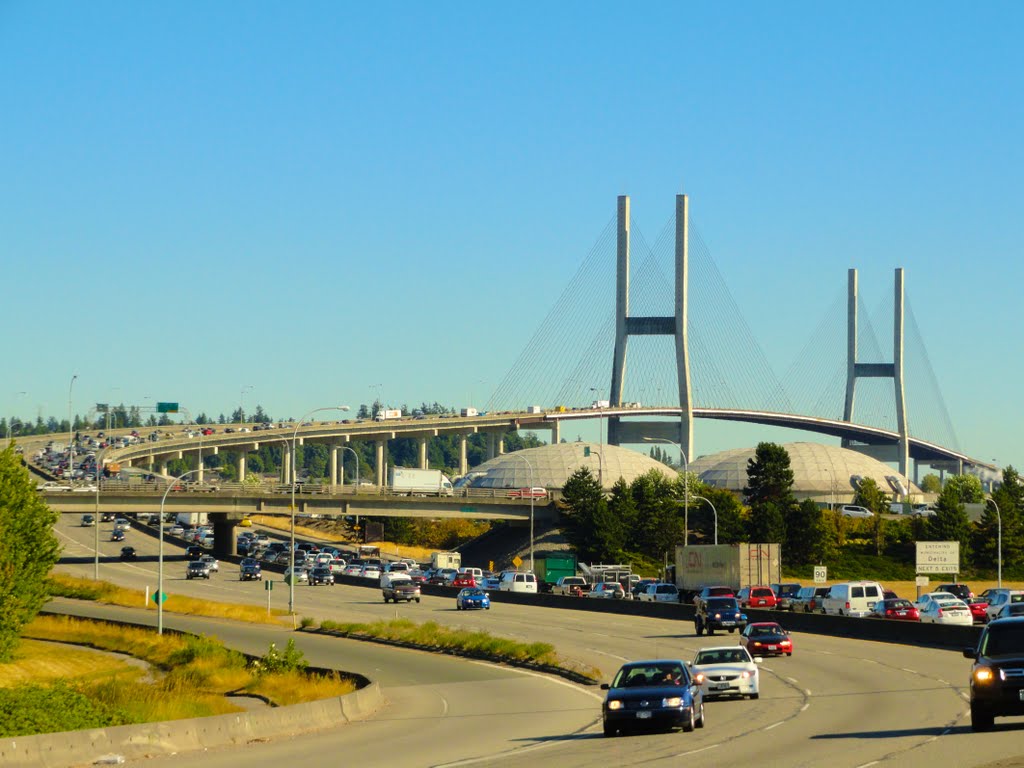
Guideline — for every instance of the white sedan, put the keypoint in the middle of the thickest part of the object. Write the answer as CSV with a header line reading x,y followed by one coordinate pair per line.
x,y
947,612
728,670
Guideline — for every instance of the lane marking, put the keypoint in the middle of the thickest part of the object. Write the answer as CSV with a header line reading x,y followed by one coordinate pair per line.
x,y
696,751
807,691
944,682
805,706
911,671
605,653
774,725
792,680
542,676
865,765
444,706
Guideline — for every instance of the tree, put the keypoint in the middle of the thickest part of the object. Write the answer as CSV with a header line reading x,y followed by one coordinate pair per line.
x,y
1009,497
28,550
950,522
930,483
588,523
966,488
806,534
769,492
870,496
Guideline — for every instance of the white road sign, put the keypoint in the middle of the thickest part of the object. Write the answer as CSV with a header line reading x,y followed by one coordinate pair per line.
x,y
938,557
820,574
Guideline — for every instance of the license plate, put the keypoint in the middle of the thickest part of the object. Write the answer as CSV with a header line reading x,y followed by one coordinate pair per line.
x,y
728,623
643,715
724,686
773,647
901,613
871,605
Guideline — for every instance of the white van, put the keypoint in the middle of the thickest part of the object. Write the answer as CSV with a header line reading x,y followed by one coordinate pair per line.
x,y
476,573
514,581
852,598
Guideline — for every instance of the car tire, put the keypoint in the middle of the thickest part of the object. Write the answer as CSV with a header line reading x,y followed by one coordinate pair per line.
x,y
981,718
755,696
711,631
790,653
385,600
731,630
698,629
417,600
609,730
688,725
700,720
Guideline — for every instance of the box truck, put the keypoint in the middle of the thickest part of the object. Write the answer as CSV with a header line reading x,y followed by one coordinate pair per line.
x,y
388,413
192,518
469,412
534,409
404,480
445,560
726,565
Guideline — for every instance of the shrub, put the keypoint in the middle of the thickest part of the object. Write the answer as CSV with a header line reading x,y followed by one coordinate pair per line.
x,y
289,660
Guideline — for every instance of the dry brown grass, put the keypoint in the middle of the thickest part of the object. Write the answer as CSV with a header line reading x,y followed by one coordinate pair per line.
x,y
37,661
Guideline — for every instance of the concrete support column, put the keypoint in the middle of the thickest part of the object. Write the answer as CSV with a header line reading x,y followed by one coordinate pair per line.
x,y
682,324
334,467
286,464
463,461
422,445
241,467
902,426
556,432
501,445
199,468
621,300
163,468
491,453
381,479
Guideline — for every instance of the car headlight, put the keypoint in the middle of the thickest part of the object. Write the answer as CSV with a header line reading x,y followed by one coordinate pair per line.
x,y
718,616
698,678
745,675
614,704
672,701
987,675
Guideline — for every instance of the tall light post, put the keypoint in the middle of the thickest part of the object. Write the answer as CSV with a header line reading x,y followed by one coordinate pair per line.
x,y
686,485
10,421
71,432
160,552
356,457
378,400
241,402
714,512
528,464
294,476
999,542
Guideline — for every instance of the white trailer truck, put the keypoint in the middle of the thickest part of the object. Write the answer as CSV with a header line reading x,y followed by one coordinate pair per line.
x,y
727,565
408,481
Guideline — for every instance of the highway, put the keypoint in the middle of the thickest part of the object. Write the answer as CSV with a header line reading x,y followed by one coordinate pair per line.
x,y
836,702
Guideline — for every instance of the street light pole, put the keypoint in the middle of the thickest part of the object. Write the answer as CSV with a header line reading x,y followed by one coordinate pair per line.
x,y
241,402
714,511
528,464
160,553
686,485
71,430
356,457
999,542
10,421
293,478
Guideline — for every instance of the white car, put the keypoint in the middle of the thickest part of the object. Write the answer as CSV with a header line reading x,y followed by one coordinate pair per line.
x,y
952,611
323,558
355,569
301,575
123,523
727,670
176,530
1001,598
659,593
928,598
370,572
52,485
337,567
211,561
851,510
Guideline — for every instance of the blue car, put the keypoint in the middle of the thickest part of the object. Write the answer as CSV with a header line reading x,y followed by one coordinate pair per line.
x,y
650,695
470,598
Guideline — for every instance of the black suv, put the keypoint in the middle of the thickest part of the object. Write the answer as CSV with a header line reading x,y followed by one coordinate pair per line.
x,y
997,677
960,590
718,613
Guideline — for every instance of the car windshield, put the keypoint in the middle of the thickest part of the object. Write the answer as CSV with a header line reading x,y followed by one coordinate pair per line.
x,y
722,656
1003,640
766,629
642,676
473,592
722,604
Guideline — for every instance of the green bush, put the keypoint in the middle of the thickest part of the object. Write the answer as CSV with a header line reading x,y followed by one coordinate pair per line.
x,y
31,709
307,622
289,660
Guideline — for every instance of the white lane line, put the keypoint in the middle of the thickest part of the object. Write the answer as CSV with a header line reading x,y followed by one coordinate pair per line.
x,y
549,678
774,725
964,696
444,707
869,661
865,765
944,682
792,680
908,669
805,706
807,691
605,653
695,751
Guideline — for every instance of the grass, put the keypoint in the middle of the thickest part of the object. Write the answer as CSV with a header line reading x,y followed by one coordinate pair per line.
x,y
434,637
191,676
62,585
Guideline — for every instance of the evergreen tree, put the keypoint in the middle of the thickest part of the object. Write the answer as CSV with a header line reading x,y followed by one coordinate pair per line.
x,y
28,550
769,493
950,522
805,531
588,523
871,497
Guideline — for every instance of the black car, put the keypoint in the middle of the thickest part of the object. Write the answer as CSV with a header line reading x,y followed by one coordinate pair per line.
x,y
647,695
960,590
718,613
117,535
997,676
128,553
198,569
193,551
249,570
321,575
106,517
784,594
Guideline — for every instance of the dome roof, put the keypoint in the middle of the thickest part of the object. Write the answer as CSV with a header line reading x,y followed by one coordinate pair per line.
x,y
819,471
553,464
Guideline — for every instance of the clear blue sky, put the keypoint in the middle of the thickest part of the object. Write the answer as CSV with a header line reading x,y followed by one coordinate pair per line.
x,y
313,198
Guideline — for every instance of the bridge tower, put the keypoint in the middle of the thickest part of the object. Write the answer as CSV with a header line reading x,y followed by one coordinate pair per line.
x,y
900,453
676,325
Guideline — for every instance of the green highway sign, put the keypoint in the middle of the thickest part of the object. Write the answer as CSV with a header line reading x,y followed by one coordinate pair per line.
x,y
159,597
467,509
166,407
268,585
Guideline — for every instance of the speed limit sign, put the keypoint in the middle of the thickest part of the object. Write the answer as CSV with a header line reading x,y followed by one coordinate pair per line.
x,y
820,574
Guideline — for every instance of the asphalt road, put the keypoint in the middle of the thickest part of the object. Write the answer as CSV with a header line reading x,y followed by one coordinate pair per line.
x,y
835,702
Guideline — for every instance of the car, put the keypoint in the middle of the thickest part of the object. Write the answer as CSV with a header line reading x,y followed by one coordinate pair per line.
x,y
852,598
197,569
922,510
766,638
895,608
297,574
660,593
211,561
88,488
106,517
608,590
337,566
852,510
952,611
517,581
808,599
117,535
997,598
369,571
123,523
718,613
321,574
128,553
640,586
784,594
193,551
245,522
1010,610
52,485
88,520
756,597
352,569
176,530
655,694
442,576
923,601
398,587
707,592
463,580
491,582
997,685
472,598
957,589
978,606
250,570
573,586
726,671
528,493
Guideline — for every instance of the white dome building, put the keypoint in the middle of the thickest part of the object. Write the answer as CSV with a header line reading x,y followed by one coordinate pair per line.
x,y
823,473
552,465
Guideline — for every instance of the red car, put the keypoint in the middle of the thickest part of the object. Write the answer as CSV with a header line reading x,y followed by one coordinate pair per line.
x,y
528,493
895,608
978,606
766,638
463,581
756,597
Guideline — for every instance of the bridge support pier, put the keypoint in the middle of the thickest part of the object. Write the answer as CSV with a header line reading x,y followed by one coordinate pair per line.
x,y
334,467
286,464
556,432
421,444
163,468
463,461
381,479
241,466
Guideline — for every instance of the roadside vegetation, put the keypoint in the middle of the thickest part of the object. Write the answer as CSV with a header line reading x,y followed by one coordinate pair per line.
x,y
63,585
187,676
431,636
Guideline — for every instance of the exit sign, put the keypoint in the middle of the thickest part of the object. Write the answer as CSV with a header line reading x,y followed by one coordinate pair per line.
x,y
166,407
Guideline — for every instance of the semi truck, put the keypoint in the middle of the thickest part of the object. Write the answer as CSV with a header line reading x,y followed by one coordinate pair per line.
x,y
192,518
388,413
727,565
469,412
408,481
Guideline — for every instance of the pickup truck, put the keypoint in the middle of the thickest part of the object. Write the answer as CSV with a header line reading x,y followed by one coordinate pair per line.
x,y
575,586
399,586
